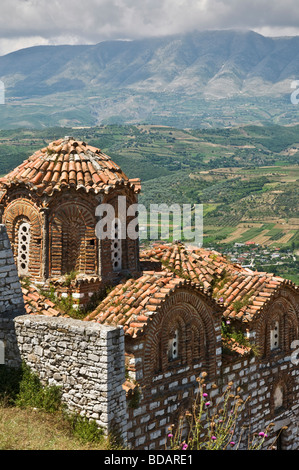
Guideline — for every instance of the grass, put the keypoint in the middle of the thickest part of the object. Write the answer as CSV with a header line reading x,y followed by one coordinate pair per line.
x,y
34,429
32,417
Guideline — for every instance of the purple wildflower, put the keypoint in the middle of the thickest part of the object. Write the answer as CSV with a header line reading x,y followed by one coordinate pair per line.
x,y
185,446
207,403
232,443
205,395
170,435
213,438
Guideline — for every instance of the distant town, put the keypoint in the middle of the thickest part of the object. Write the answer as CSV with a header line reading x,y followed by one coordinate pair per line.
x,y
279,261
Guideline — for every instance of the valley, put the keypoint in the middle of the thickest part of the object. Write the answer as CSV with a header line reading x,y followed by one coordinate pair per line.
x,y
247,178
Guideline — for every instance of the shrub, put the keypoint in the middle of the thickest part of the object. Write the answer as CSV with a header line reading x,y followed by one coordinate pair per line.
x,y
22,388
87,430
32,393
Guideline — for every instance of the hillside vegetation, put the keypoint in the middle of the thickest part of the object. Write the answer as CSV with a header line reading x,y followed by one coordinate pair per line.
x,y
245,177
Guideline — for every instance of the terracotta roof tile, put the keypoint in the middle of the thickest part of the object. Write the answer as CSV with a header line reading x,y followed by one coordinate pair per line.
x,y
68,163
234,347
132,302
37,304
243,292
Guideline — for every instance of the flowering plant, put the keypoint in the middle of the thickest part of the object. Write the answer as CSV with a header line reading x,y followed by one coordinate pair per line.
x,y
213,426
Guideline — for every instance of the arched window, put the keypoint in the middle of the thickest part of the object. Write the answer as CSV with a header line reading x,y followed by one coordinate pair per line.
x,y
278,397
281,397
278,326
23,247
116,251
72,240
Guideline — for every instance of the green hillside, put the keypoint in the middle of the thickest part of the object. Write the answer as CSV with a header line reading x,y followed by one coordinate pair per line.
x,y
246,177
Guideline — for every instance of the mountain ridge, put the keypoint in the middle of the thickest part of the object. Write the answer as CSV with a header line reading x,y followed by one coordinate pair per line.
x,y
152,77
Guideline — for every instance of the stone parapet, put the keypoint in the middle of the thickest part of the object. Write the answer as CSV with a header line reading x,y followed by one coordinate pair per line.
x,y
85,359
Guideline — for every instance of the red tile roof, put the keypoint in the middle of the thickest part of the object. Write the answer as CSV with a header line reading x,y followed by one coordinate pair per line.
x,y
133,302
243,292
235,348
68,163
37,304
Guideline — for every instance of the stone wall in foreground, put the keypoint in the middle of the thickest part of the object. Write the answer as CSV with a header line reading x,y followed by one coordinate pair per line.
x,y
85,359
11,301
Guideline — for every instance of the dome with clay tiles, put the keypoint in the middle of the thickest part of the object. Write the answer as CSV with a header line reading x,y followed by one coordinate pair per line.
x,y
68,163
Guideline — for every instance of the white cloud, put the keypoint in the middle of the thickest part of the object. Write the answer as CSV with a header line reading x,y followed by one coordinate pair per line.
x,y
29,22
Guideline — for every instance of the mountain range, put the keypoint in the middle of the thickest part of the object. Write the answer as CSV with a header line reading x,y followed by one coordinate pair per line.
x,y
199,79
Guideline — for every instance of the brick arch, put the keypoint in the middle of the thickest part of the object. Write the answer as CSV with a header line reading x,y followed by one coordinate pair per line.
x,y
285,383
283,310
73,245
177,324
16,212
191,310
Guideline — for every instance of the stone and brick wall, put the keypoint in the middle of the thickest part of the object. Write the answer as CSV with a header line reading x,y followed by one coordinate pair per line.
x,y
88,361
259,381
167,386
171,394
268,382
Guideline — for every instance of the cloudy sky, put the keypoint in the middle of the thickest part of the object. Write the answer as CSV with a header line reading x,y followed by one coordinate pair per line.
x,y
25,23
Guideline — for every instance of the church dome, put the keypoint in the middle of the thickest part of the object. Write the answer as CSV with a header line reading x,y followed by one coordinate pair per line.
x,y
68,163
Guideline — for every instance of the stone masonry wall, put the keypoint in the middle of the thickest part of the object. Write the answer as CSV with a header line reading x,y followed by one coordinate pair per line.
x,y
85,359
11,300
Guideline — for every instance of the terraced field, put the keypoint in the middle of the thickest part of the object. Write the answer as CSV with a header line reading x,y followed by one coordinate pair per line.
x,y
247,178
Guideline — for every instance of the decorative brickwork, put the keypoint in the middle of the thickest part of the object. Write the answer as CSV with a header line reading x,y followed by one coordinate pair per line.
x,y
19,211
72,240
54,195
277,327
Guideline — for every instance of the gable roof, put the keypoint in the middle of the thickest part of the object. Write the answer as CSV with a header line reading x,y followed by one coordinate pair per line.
x,y
133,302
67,163
243,292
